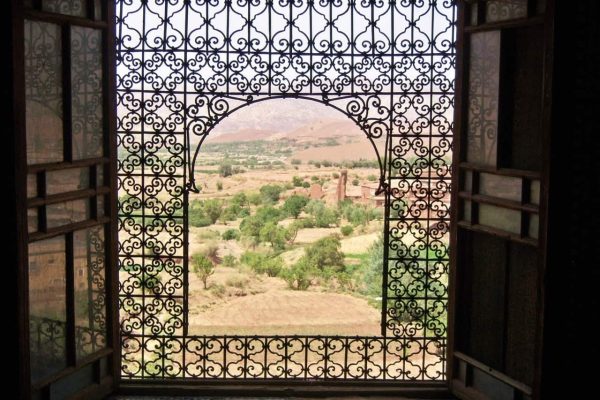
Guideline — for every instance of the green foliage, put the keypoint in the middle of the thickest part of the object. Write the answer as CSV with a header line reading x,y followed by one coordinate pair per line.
x,y
250,228
314,178
239,199
325,254
229,261
297,181
295,161
347,230
271,193
231,234
371,178
324,216
326,163
305,185
255,199
213,209
219,186
151,283
202,267
273,234
239,282
294,205
262,263
335,175
225,170
196,215
355,182
317,164
299,276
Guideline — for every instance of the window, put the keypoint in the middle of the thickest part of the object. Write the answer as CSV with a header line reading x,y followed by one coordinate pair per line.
x,y
183,67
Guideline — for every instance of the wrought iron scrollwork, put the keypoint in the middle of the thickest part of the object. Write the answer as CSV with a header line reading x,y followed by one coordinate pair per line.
x,y
184,66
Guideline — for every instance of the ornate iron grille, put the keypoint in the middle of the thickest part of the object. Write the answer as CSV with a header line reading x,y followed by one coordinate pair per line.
x,y
183,66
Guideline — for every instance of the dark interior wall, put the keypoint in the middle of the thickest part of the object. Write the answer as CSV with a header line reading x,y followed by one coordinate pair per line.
x,y
573,272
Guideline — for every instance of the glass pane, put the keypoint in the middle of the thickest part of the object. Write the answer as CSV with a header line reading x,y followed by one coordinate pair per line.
x,y
502,10
474,12
500,218
86,89
484,67
67,213
100,206
467,211
90,290
100,175
43,92
67,180
67,7
505,187
32,220
534,225
47,307
32,186
98,10
468,182
534,193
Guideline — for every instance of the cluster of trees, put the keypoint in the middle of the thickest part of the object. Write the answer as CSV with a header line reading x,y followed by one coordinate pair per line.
x,y
322,260
208,212
348,164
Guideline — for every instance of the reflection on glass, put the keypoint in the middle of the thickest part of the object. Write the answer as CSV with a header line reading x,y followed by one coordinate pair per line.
x,y
468,184
32,220
32,186
534,225
534,193
98,10
484,70
100,206
67,180
90,306
500,218
67,212
86,90
76,8
467,210
43,92
505,187
47,306
502,10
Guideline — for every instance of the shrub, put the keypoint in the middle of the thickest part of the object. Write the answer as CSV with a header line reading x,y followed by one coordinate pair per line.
x,y
314,178
297,181
262,264
305,185
371,178
229,261
299,276
273,234
231,234
323,215
218,290
213,209
225,170
335,175
347,230
355,182
270,193
203,268
219,186
239,282
326,163
295,161
255,199
317,164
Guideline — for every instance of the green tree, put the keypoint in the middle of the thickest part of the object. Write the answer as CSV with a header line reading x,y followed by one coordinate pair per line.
x,y
300,275
202,267
213,209
326,254
323,215
250,228
273,234
294,205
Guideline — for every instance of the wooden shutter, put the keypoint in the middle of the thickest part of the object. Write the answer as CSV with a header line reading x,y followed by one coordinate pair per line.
x,y
499,198
64,129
